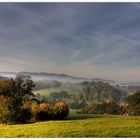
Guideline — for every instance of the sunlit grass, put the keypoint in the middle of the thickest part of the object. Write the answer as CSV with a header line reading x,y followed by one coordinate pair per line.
x,y
77,126
71,89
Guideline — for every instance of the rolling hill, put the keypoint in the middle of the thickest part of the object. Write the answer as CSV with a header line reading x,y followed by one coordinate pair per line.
x,y
40,76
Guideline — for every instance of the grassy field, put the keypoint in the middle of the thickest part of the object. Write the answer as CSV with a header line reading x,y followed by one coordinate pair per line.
x,y
71,89
77,126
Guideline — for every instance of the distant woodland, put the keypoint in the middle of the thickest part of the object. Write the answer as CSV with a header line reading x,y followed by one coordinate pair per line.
x,y
19,104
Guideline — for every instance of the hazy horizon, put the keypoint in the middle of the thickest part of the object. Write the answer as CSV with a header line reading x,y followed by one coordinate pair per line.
x,y
79,39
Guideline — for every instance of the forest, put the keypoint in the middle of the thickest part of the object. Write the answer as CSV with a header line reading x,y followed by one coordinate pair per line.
x,y
19,104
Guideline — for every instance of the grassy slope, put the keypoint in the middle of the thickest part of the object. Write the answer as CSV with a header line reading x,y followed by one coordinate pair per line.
x,y
77,126
71,89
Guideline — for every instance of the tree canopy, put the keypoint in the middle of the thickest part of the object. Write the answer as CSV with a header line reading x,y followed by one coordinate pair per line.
x,y
133,102
16,87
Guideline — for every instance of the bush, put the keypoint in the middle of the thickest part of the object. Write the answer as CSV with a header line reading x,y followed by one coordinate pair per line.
x,y
11,111
45,111
61,110
34,110
33,107
24,116
15,106
42,111
3,108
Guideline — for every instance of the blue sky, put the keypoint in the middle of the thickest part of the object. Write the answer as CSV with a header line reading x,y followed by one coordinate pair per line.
x,y
81,39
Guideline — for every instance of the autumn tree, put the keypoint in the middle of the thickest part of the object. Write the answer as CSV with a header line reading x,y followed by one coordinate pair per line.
x,y
61,110
16,91
133,102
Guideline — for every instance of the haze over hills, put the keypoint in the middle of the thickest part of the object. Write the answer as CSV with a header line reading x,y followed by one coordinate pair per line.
x,y
40,76
52,40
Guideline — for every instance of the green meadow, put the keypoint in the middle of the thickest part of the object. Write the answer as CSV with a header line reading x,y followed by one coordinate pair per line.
x,y
70,88
77,126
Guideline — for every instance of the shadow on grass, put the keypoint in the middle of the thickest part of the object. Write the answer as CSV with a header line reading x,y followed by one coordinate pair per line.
x,y
82,116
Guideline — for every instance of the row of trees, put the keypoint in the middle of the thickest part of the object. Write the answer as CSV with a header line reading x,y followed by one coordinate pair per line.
x,y
100,92
46,84
62,94
100,98
90,91
97,92
103,108
16,106
15,111
131,106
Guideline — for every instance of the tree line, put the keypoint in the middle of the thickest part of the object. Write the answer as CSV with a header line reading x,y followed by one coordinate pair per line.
x,y
16,105
99,98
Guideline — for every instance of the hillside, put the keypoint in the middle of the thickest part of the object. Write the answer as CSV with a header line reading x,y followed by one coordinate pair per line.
x,y
70,88
41,76
77,126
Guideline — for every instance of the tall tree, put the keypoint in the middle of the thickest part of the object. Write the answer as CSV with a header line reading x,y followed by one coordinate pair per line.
x,y
134,103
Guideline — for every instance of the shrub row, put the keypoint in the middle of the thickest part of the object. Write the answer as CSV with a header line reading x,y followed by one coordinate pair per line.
x,y
46,111
12,111
103,108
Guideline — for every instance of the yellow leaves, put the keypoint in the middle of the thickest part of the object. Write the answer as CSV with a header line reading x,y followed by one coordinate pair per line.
x,y
44,106
61,106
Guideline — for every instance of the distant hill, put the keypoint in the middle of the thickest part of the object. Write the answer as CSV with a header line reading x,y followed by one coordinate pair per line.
x,y
8,74
130,84
41,76
3,78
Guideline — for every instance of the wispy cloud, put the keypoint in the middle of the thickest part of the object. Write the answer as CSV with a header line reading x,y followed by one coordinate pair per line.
x,y
86,39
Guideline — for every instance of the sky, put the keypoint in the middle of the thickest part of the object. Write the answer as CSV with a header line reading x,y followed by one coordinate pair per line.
x,y
80,39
